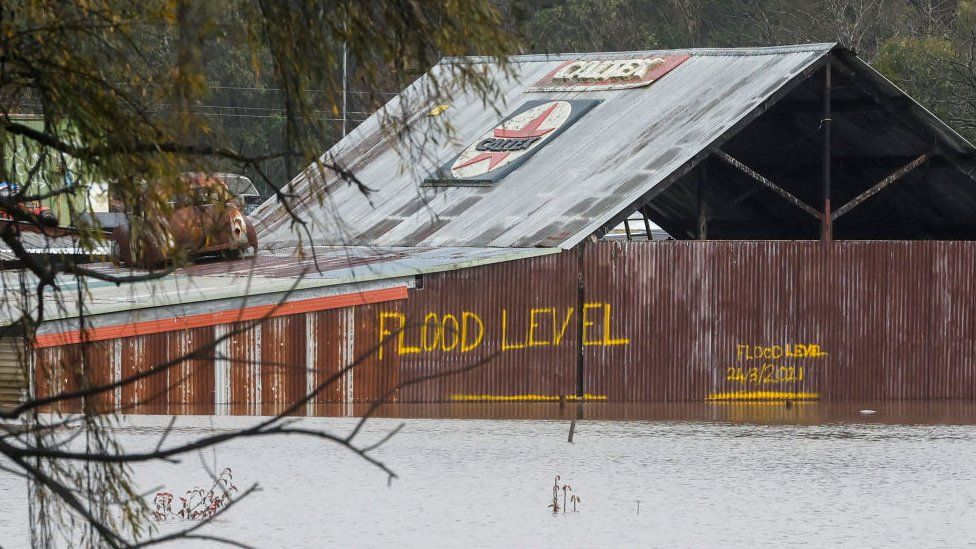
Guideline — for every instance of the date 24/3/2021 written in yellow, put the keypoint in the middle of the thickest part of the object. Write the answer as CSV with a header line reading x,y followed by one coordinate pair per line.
x,y
767,374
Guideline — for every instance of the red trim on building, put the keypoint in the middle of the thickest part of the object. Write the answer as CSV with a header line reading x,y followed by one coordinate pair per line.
x,y
221,317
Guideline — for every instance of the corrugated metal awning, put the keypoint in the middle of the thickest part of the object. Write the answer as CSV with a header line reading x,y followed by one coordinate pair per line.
x,y
230,285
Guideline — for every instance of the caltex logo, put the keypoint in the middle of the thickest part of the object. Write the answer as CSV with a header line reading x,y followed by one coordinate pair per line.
x,y
510,143
513,138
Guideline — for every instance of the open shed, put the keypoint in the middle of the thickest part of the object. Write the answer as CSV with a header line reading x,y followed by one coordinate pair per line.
x,y
822,226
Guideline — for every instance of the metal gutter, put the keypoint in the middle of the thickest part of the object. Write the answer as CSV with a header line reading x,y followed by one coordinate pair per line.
x,y
245,314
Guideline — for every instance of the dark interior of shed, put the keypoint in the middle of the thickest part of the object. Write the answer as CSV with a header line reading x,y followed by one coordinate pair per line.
x,y
875,134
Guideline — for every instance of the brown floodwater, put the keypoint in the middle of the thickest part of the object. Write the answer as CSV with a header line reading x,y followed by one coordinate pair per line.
x,y
935,412
689,475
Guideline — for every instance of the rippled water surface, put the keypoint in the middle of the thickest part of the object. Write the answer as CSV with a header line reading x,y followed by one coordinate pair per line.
x,y
478,482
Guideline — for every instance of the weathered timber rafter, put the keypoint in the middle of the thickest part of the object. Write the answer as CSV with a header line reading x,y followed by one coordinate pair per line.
x,y
772,186
880,185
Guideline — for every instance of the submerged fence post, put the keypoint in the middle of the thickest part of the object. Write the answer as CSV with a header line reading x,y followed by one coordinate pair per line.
x,y
580,300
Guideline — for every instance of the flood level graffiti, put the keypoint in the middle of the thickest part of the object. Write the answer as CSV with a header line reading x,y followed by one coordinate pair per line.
x,y
776,352
771,372
772,364
513,330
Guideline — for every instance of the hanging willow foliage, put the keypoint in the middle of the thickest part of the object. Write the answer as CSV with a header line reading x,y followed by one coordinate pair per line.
x,y
97,93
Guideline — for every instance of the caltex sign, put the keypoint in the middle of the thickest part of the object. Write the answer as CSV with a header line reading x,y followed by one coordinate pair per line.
x,y
506,146
607,74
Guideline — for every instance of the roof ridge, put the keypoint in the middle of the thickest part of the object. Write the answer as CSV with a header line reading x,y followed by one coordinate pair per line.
x,y
736,52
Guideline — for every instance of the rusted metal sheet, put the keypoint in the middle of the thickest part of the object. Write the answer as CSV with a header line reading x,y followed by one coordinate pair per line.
x,y
721,321
660,322
707,321
952,329
72,367
376,373
191,381
745,320
283,370
57,371
244,357
327,348
520,315
98,370
139,355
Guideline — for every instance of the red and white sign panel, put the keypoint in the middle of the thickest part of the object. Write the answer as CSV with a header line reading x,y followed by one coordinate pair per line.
x,y
607,74
506,146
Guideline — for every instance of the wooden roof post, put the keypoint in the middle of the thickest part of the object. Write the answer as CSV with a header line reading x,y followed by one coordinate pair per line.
x,y
827,230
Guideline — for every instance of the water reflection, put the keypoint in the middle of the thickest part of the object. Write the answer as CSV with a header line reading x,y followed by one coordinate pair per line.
x,y
705,474
923,412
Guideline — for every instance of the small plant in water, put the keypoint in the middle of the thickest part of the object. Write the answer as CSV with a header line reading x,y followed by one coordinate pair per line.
x,y
197,503
566,489
555,496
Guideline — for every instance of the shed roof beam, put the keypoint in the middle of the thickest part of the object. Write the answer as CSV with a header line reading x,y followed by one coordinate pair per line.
x,y
877,187
849,164
792,199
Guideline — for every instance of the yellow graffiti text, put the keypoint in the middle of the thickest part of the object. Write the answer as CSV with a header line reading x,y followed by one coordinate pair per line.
x,y
766,374
506,346
606,340
467,343
762,395
513,330
534,340
437,333
558,337
526,398
775,352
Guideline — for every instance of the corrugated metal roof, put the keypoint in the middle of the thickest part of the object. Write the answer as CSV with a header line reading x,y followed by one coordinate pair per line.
x,y
57,244
608,159
340,268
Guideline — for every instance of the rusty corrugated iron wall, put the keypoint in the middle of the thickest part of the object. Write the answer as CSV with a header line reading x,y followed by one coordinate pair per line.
x,y
518,317
670,321
755,320
138,356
